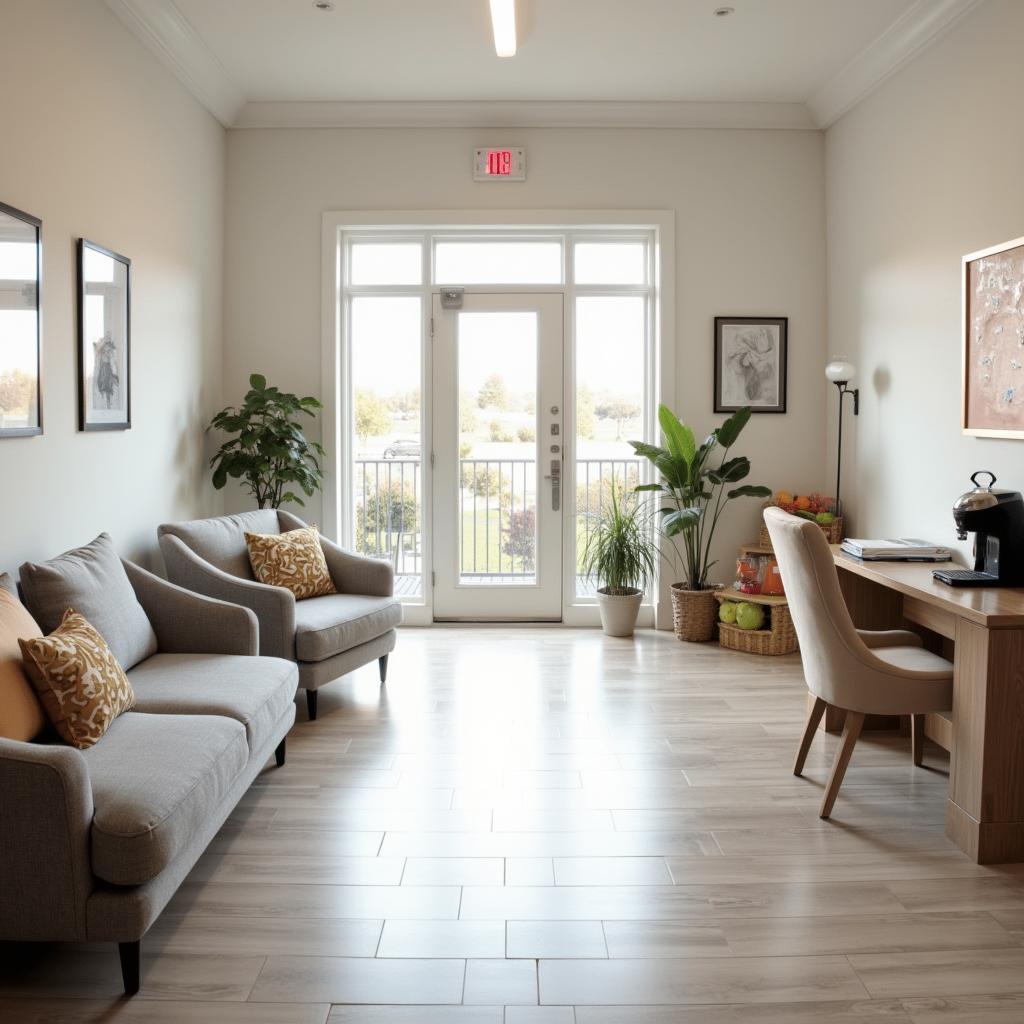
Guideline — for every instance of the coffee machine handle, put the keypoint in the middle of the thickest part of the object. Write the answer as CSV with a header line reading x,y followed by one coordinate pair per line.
x,y
984,472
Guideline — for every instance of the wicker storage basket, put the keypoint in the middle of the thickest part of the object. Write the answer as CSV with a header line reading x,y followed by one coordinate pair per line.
x,y
833,532
694,613
778,638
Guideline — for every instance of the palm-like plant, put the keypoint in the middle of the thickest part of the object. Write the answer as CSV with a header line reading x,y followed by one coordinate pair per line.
x,y
619,551
694,491
269,450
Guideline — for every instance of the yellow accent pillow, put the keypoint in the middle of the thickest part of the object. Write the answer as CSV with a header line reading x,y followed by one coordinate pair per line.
x,y
79,681
293,560
21,717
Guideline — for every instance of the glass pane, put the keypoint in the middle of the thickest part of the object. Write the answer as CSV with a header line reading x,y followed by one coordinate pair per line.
x,y
498,447
386,263
610,334
609,263
386,471
498,263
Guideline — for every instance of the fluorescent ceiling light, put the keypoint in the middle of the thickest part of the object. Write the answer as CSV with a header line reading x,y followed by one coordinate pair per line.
x,y
503,18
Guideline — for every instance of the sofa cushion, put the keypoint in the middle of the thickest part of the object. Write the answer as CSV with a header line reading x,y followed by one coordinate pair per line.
x,y
21,716
92,580
253,691
80,684
221,541
156,779
325,626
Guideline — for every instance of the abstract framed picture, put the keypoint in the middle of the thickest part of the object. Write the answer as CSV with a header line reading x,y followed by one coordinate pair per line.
x,y
750,363
21,411
993,346
104,338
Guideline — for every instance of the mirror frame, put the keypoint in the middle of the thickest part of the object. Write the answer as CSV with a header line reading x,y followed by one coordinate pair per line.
x,y
36,223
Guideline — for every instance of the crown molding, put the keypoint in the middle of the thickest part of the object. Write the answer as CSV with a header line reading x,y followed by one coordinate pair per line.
x,y
541,114
165,30
915,30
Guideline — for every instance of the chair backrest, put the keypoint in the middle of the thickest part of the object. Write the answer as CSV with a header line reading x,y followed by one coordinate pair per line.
x,y
221,540
834,656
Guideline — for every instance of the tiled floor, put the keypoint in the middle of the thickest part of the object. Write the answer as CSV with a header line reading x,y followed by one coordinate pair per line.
x,y
545,826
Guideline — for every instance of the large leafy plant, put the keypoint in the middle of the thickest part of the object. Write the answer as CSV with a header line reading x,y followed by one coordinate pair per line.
x,y
619,549
269,450
695,486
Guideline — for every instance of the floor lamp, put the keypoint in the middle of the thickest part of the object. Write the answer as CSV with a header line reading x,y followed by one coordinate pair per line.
x,y
841,372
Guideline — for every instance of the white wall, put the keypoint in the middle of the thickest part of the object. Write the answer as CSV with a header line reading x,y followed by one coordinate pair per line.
x,y
99,140
749,212
926,169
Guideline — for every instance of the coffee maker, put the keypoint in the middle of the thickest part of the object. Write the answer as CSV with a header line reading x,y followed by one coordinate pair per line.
x,y
996,517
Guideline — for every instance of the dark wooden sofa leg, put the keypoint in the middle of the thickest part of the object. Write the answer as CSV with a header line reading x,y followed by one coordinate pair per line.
x,y
311,704
279,753
383,663
130,957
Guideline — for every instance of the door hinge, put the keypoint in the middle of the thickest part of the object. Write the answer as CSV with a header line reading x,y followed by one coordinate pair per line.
x,y
431,460
431,326
433,578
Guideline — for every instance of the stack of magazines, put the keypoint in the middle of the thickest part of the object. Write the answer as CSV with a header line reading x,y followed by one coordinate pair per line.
x,y
902,549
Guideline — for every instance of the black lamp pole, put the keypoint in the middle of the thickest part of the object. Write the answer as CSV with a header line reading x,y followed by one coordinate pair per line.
x,y
843,390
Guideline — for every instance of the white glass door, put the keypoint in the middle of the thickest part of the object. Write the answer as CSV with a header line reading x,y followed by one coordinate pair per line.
x,y
497,454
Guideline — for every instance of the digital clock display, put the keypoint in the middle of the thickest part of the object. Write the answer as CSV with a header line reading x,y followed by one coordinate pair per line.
x,y
499,163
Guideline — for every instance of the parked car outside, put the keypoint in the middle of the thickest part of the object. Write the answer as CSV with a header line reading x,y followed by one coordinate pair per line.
x,y
403,448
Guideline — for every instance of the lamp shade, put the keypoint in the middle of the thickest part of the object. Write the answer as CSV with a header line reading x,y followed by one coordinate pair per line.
x,y
840,370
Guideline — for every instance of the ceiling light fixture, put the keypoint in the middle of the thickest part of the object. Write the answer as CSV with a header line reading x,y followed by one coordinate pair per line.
x,y
503,19
324,5
724,12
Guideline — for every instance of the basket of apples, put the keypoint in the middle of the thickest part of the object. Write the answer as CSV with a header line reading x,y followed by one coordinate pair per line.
x,y
818,508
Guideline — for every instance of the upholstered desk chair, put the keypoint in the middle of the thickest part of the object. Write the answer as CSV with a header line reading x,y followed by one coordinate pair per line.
x,y
857,671
326,636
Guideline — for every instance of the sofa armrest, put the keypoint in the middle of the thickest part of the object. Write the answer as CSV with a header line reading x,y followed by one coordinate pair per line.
x,y
889,638
358,574
274,607
188,623
45,815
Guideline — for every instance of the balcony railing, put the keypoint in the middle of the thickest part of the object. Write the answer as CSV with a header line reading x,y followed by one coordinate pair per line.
x,y
497,510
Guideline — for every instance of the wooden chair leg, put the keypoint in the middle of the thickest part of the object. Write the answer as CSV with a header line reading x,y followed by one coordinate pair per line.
x,y
311,705
917,738
131,957
814,713
851,731
279,752
383,665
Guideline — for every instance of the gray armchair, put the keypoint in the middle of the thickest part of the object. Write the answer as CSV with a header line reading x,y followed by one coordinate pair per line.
x,y
326,636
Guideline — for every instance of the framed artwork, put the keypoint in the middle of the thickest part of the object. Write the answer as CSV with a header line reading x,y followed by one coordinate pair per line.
x,y
21,252
993,349
104,338
750,363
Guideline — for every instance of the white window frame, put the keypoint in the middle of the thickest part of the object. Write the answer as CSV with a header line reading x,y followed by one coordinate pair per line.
x,y
341,228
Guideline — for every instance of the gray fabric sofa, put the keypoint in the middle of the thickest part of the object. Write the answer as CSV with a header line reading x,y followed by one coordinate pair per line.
x,y
326,636
93,843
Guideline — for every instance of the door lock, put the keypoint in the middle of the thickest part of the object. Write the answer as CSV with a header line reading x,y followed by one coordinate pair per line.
x,y
555,476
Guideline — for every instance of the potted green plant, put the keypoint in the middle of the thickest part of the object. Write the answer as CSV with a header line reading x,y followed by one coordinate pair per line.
x,y
620,553
694,489
269,450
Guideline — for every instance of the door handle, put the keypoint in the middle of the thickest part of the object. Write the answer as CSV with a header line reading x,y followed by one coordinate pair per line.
x,y
555,476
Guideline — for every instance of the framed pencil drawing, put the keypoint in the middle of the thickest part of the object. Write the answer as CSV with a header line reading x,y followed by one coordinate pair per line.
x,y
104,338
993,342
750,363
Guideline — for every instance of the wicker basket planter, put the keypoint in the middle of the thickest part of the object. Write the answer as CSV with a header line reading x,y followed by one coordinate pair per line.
x,y
694,613
833,533
778,638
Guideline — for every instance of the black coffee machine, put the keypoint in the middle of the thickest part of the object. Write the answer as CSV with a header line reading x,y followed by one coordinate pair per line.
x,y
997,518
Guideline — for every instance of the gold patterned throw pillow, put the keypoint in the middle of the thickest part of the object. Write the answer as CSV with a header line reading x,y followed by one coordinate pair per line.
x,y
293,560
80,684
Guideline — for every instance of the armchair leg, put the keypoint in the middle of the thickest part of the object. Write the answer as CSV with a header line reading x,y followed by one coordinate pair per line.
x,y
851,731
131,955
311,704
814,713
383,663
917,738
279,753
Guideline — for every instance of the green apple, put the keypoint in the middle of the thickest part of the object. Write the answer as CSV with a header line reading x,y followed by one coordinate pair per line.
x,y
749,616
825,518
727,612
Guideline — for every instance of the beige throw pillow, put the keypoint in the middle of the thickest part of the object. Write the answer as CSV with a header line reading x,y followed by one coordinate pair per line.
x,y
21,717
79,682
293,560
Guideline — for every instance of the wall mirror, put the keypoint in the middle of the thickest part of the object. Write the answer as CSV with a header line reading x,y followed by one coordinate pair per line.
x,y
104,338
21,413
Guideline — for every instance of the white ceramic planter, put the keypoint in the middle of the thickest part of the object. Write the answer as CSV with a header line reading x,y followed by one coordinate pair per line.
x,y
619,612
